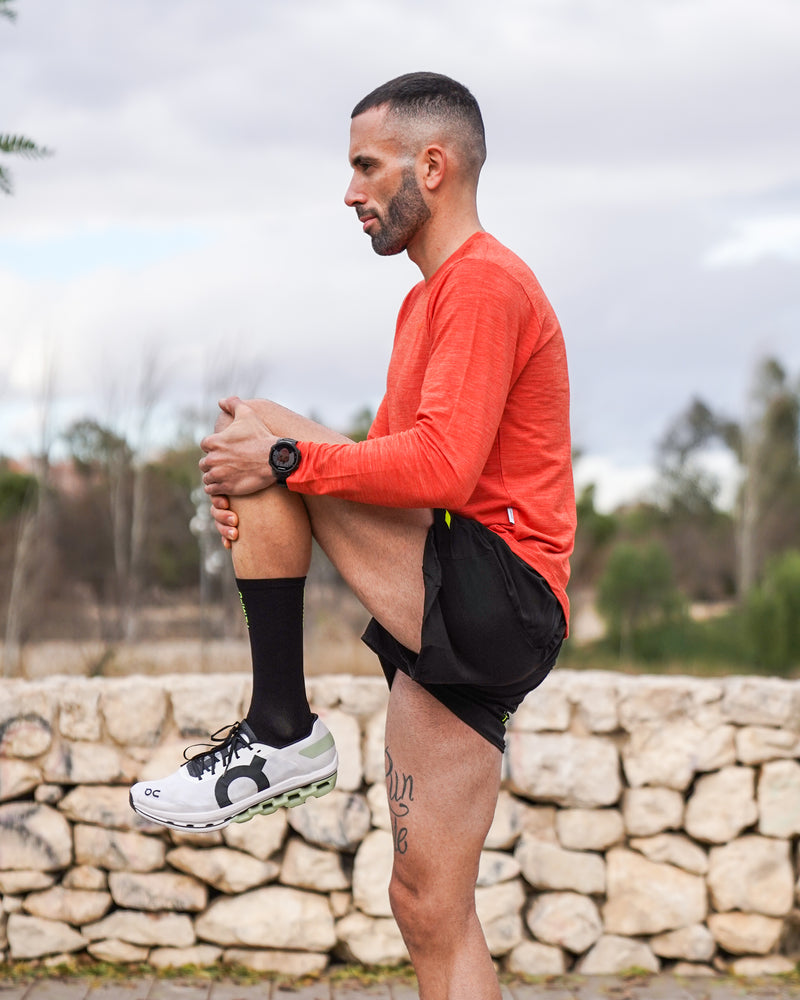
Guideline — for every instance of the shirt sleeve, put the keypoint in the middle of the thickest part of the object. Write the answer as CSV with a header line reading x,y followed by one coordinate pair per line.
x,y
474,318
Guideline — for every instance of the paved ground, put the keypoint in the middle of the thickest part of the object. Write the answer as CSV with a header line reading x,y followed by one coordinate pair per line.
x,y
570,988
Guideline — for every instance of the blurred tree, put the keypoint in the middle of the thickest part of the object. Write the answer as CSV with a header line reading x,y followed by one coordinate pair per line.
x,y
594,532
769,504
636,589
15,144
772,615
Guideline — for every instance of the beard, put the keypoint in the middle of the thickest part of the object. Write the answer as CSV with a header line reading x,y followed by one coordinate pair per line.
x,y
405,215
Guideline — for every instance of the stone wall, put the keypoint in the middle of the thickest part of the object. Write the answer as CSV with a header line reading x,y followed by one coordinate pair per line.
x,y
643,821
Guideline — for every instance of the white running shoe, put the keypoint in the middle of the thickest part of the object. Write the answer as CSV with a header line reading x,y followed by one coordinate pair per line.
x,y
239,779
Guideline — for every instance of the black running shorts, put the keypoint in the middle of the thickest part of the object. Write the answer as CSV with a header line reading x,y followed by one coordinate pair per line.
x,y
491,632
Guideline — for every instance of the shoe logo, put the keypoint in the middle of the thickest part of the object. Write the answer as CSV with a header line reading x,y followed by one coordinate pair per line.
x,y
155,792
254,771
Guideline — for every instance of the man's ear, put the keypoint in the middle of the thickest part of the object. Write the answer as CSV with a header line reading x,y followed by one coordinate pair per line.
x,y
434,166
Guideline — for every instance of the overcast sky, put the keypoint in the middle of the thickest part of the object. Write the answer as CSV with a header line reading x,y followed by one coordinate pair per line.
x,y
644,159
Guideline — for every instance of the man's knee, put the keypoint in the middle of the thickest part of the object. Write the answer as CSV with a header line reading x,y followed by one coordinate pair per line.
x,y
424,912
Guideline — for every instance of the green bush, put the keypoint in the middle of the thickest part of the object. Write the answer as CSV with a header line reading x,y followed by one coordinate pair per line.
x,y
772,616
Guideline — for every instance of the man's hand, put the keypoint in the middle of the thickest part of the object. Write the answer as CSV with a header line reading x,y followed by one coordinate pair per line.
x,y
236,462
226,520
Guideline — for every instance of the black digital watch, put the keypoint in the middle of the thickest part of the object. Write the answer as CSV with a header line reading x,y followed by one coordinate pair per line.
x,y
284,457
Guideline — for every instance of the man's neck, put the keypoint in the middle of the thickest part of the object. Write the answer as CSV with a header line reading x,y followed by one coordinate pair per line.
x,y
434,245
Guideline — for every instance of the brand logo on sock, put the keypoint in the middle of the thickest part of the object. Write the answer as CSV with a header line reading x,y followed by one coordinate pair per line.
x,y
254,771
244,609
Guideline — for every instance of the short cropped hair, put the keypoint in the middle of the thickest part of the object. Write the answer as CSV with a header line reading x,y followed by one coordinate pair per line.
x,y
443,101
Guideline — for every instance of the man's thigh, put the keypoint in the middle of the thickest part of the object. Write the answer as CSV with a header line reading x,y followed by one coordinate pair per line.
x,y
377,550
442,783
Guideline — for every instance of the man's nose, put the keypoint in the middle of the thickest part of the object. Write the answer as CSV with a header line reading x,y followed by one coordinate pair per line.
x,y
352,195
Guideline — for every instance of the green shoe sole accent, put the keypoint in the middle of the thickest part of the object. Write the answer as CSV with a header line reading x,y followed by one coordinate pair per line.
x,y
296,797
318,748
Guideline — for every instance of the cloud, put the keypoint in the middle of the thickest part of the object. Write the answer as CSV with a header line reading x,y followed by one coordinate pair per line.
x,y
754,240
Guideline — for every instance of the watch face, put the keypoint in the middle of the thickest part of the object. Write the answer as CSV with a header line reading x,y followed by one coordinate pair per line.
x,y
284,456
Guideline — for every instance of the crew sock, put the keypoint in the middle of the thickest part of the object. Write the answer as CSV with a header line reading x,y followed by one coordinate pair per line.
x,y
273,610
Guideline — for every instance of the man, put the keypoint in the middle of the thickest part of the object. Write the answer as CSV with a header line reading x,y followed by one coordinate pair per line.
x,y
453,523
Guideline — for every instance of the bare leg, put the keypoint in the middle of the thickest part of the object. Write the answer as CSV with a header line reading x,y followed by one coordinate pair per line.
x,y
377,550
442,782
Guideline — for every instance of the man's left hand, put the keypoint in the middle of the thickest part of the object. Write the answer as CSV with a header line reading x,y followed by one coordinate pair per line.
x,y
236,462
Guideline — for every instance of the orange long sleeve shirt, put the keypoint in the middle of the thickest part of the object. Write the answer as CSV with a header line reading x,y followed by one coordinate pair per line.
x,y
475,418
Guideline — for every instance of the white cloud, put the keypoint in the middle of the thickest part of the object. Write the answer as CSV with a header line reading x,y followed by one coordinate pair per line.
x,y
753,240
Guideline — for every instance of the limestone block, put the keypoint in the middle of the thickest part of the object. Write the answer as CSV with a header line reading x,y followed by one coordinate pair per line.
x,y
12,883
224,868
545,709
157,891
565,919
496,866
539,822
347,736
339,820
660,700
82,763
589,829
17,777
171,930
752,874
644,897
529,958
745,933
508,821
202,709
375,748
34,837
12,904
307,867
85,877
769,965
594,695
758,744
117,850
272,917
548,866
565,769
762,701
371,940
79,709
499,909
27,713
33,937
379,807
135,711
358,696
201,955
779,799
693,970
72,906
372,870
673,849
693,944
104,805
647,811
722,805
261,836
613,954
294,964
671,754
112,950
49,795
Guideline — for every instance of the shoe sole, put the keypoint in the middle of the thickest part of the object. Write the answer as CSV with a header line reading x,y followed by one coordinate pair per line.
x,y
288,799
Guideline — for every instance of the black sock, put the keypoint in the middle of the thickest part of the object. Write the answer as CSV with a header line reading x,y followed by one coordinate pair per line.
x,y
273,610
